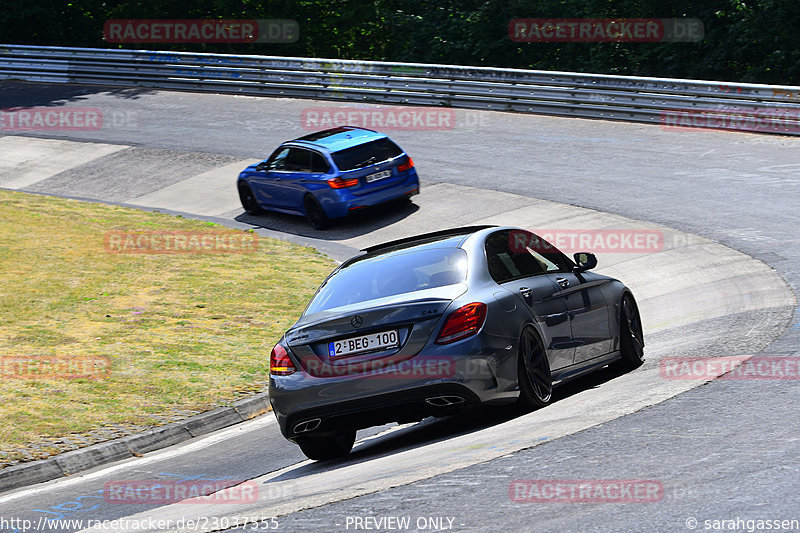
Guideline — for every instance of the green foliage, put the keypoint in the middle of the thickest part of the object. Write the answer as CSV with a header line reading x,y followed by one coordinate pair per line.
x,y
745,40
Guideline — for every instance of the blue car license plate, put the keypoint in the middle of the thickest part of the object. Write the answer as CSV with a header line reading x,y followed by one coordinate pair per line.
x,y
378,176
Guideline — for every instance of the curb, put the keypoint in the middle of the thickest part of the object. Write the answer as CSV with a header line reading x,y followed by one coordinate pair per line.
x,y
75,461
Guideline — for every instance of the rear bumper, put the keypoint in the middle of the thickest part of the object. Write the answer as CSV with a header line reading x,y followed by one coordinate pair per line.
x,y
341,202
407,391
401,406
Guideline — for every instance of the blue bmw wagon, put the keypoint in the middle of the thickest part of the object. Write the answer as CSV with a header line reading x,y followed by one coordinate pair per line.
x,y
328,175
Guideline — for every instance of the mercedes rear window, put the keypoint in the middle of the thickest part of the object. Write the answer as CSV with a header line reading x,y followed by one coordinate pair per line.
x,y
389,275
366,154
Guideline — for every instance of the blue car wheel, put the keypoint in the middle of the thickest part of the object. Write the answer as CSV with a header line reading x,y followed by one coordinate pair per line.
x,y
248,200
315,214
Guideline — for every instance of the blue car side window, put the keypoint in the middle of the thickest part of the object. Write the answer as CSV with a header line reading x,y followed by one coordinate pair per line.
x,y
278,161
318,164
298,160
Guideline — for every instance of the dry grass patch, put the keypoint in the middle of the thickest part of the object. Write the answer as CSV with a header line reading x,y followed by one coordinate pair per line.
x,y
183,332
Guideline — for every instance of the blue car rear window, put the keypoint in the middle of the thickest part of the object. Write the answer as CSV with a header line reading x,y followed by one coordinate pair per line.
x,y
366,154
391,274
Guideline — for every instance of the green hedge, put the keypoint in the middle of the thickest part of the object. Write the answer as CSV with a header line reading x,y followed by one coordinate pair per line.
x,y
749,41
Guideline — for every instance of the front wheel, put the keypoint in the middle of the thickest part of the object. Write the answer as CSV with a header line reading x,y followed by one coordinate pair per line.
x,y
631,338
325,448
533,372
248,200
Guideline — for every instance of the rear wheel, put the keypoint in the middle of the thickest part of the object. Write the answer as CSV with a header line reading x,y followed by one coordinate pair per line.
x,y
315,214
631,339
248,200
324,448
533,372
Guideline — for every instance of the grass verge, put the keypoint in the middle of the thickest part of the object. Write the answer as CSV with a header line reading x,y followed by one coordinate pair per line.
x,y
182,332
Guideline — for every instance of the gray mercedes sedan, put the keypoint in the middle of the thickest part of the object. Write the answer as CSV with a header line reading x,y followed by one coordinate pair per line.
x,y
438,323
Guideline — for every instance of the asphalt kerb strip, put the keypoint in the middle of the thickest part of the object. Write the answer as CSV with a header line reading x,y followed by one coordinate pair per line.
x,y
76,461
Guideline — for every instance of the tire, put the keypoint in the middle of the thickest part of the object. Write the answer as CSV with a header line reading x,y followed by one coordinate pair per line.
x,y
326,448
631,338
533,372
315,214
249,200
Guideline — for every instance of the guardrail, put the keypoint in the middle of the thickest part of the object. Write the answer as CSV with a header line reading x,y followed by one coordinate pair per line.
x,y
670,102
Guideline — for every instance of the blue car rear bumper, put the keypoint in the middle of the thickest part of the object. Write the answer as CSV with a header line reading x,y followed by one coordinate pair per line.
x,y
341,202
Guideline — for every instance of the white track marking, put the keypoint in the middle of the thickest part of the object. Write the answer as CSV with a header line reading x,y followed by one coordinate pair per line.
x,y
210,193
25,160
190,446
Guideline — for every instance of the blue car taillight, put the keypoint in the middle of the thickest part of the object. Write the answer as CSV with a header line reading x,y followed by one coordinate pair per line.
x,y
407,165
339,183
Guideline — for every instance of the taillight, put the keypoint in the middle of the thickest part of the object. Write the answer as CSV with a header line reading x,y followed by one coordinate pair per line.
x,y
405,166
279,362
462,323
339,183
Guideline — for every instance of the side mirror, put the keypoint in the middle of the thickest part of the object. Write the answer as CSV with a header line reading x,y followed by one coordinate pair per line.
x,y
261,166
584,261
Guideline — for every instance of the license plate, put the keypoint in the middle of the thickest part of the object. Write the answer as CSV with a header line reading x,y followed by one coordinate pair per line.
x,y
363,343
378,176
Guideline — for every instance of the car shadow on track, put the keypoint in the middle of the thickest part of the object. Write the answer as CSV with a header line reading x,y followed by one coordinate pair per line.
x,y
432,430
355,225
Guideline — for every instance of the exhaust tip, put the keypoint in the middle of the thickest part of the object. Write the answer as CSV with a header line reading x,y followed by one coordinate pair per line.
x,y
307,425
444,401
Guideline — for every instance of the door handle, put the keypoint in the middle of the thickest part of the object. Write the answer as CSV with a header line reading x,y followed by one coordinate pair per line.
x,y
564,282
526,292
